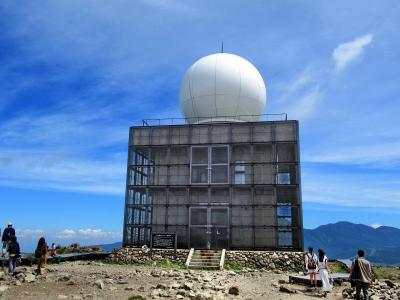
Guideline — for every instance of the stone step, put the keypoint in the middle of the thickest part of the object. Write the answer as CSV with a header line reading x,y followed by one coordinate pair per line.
x,y
206,257
205,260
204,267
203,263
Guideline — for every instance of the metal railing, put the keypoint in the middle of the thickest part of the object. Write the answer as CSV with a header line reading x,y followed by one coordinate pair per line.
x,y
218,119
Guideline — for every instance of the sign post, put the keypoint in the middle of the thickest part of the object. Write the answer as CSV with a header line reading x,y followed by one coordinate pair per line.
x,y
163,240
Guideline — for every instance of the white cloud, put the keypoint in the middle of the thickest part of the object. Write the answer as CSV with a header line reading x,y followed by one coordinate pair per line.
x,y
384,154
29,233
375,225
95,233
353,188
66,234
305,106
86,233
85,236
346,53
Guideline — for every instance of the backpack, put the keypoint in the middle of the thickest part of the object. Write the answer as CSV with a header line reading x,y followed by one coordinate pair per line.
x,y
38,253
311,264
355,275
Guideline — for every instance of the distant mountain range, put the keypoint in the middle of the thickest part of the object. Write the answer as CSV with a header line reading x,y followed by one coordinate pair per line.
x,y
110,247
342,240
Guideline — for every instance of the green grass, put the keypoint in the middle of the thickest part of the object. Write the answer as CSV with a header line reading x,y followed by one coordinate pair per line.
x,y
136,297
165,264
380,272
234,267
338,267
392,273
74,250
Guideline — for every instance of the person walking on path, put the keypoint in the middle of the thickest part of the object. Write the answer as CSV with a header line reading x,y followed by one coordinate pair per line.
x,y
41,255
13,254
323,267
8,234
311,266
361,271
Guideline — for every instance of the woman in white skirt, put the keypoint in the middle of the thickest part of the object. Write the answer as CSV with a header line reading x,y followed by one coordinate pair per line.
x,y
324,272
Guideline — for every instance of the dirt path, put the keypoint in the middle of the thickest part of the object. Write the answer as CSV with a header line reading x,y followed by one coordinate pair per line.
x,y
83,280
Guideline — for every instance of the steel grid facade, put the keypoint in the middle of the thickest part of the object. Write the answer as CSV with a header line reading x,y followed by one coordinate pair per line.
x,y
218,185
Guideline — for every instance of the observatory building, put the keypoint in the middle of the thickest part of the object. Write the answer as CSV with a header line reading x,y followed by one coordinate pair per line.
x,y
225,176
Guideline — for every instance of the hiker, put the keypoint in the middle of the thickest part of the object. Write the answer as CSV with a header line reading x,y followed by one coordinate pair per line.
x,y
13,254
53,250
53,253
8,234
311,266
361,273
323,267
41,255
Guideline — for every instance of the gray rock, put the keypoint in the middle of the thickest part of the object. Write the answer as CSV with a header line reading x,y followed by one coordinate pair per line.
x,y
3,288
175,286
281,281
63,277
285,289
233,290
99,283
20,276
389,283
29,278
161,286
155,273
62,297
138,297
187,286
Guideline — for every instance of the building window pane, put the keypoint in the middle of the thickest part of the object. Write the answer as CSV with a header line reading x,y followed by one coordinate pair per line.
x,y
283,178
199,174
219,155
198,216
284,215
219,216
200,155
219,174
285,238
240,173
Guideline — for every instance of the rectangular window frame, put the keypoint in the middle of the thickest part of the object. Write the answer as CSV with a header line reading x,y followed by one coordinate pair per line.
x,y
210,165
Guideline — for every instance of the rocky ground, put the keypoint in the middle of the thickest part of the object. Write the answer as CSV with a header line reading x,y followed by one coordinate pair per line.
x,y
95,280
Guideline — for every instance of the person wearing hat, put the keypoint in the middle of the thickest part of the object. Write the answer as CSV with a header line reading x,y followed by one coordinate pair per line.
x,y
8,234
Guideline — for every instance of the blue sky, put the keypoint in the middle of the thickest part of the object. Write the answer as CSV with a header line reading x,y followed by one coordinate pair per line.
x,y
74,75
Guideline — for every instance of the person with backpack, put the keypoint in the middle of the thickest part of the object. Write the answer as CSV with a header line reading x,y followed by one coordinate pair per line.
x,y
8,234
361,275
41,255
311,261
323,268
13,254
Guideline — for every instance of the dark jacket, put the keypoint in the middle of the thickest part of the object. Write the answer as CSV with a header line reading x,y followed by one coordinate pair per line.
x,y
13,248
8,234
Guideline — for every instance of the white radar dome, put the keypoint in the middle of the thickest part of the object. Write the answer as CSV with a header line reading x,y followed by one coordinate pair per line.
x,y
222,87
